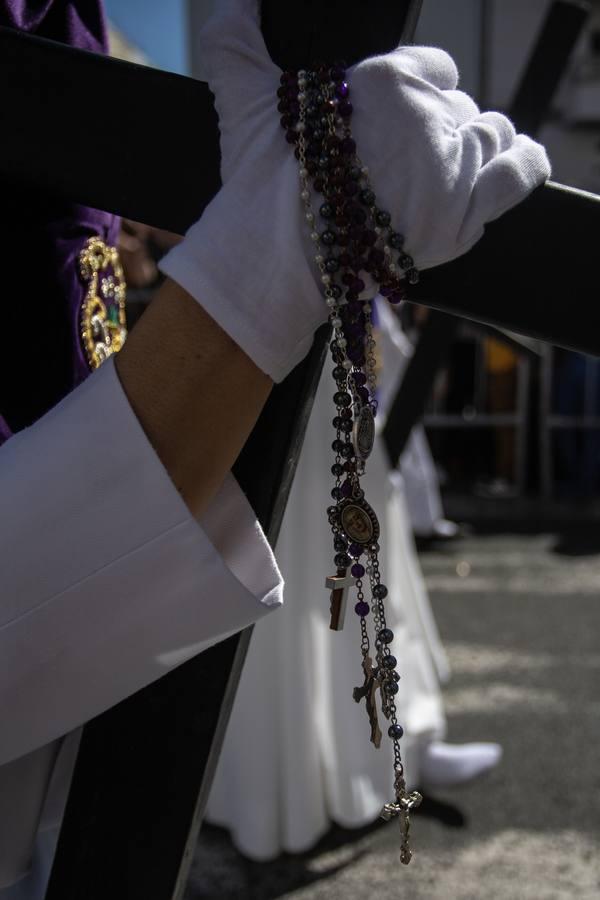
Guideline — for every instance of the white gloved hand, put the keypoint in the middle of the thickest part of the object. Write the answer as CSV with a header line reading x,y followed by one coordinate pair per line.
x,y
438,165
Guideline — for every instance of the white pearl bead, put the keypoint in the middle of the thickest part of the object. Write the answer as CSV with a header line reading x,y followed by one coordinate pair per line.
x,y
300,127
310,217
314,236
303,173
305,195
301,95
387,250
336,322
331,302
364,171
326,279
393,268
342,341
377,229
346,363
319,260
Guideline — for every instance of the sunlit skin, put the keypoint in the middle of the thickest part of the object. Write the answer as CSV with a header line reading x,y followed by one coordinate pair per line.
x,y
195,392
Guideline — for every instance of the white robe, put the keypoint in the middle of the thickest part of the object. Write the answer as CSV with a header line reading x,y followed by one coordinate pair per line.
x,y
423,498
108,582
297,752
421,487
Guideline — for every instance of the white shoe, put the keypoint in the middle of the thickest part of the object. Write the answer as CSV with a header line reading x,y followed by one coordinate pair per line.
x,y
445,765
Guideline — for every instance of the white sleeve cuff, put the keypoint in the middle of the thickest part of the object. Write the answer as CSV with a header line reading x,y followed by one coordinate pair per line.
x,y
107,580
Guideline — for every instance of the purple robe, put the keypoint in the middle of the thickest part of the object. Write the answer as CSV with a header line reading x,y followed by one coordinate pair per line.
x,y
42,357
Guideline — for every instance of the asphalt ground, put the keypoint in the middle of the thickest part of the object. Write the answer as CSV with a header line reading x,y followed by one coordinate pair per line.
x,y
520,618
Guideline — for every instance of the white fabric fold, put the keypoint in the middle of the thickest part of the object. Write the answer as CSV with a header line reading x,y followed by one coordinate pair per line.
x,y
107,580
441,168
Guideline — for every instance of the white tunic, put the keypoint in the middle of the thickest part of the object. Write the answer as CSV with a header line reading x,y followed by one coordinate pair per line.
x,y
107,583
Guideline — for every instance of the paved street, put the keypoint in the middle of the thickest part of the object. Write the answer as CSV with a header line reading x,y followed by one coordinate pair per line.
x,y
520,617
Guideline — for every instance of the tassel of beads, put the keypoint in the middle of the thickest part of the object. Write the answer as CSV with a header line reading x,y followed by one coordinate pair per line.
x,y
353,238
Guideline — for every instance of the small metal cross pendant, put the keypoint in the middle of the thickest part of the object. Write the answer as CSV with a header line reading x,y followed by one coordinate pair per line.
x,y
402,808
368,691
339,585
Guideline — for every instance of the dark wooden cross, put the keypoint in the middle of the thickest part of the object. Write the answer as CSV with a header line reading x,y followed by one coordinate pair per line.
x,y
368,692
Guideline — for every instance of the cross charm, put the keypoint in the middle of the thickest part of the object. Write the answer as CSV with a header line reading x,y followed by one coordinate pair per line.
x,y
402,808
339,585
368,690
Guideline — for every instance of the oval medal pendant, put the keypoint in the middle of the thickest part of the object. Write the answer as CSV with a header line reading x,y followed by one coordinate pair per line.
x,y
359,522
363,434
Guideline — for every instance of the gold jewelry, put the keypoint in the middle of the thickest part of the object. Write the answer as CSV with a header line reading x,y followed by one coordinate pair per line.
x,y
103,318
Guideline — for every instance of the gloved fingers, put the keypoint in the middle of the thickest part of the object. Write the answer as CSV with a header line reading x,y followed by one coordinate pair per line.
x,y
384,91
519,168
493,132
500,179
429,64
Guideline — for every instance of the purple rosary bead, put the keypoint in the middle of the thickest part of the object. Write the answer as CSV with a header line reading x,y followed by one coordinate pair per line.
x,y
362,609
347,489
354,330
396,296
357,570
376,258
342,90
356,550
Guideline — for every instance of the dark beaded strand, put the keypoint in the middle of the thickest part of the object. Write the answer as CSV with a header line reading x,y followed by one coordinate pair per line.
x,y
354,241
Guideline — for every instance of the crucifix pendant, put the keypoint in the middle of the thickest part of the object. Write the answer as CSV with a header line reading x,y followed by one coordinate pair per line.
x,y
402,809
368,691
339,585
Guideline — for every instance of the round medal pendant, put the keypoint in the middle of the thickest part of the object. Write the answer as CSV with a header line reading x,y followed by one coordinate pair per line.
x,y
359,522
363,434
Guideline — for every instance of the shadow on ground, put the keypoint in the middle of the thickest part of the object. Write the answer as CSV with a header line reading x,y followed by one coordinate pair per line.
x,y
219,871
522,629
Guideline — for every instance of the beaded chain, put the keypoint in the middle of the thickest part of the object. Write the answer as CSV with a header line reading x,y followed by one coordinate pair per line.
x,y
356,238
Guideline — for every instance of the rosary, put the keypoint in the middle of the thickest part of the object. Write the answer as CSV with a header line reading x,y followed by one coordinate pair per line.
x,y
355,237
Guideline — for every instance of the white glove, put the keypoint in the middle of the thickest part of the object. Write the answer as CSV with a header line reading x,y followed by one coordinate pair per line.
x,y
438,165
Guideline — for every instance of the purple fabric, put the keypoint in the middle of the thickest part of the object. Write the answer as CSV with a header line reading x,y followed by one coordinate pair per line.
x,y
5,431
41,238
80,23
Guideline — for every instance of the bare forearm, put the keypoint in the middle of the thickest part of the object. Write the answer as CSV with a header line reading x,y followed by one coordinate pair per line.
x,y
195,392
